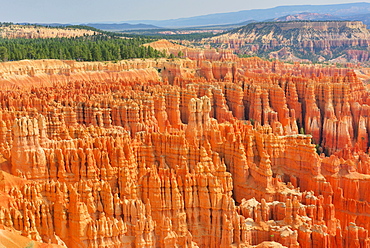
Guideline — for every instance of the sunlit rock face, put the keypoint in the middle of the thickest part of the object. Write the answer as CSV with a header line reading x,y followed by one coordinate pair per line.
x,y
335,41
183,153
14,31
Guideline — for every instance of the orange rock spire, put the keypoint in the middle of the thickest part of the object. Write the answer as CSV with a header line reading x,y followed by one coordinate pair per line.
x,y
211,153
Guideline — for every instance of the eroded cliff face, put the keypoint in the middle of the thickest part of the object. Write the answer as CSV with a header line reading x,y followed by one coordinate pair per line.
x,y
306,40
33,32
192,53
184,153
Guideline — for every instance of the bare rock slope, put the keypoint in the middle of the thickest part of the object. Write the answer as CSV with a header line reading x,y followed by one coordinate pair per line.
x,y
311,40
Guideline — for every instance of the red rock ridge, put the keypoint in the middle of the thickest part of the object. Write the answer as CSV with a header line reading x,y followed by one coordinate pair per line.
x,y
333,41
182,153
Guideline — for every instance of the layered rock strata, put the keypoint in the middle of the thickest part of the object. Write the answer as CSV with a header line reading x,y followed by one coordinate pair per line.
x,y
183,153
33,32
336,41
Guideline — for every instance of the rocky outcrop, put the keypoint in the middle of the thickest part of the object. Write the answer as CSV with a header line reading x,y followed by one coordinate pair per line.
x,y
33,32
299,40
192,53
183,153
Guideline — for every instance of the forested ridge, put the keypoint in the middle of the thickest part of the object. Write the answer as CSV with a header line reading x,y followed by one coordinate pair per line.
x,y
88,48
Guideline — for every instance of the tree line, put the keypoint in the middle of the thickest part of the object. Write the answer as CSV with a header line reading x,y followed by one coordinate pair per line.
x,y
87,48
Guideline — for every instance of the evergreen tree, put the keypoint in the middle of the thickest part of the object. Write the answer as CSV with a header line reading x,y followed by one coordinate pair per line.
x,y
88,48
3,53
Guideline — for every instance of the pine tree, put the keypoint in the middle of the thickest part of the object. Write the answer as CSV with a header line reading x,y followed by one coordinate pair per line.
x,y
3,53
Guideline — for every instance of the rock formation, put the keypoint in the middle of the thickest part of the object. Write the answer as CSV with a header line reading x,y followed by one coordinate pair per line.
x,y
33,32
219,152
299,40
192,53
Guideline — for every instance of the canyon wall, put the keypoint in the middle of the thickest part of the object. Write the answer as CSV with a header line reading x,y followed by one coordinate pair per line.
x,y
333,41
183,153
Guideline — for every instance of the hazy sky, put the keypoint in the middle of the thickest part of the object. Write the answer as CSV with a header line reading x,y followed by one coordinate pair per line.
x,y
83,11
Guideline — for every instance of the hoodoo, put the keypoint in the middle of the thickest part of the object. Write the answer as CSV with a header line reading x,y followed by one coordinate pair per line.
x,y
214,152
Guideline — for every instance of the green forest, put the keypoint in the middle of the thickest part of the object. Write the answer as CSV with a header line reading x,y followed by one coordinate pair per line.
x,y
87,48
